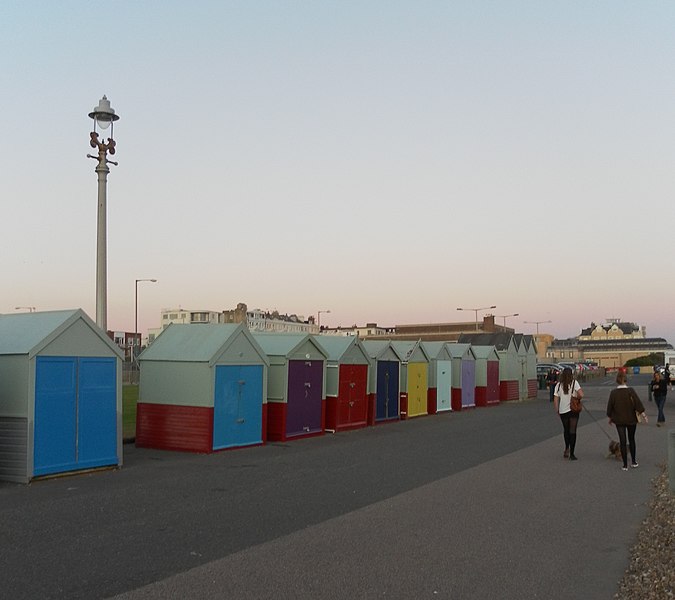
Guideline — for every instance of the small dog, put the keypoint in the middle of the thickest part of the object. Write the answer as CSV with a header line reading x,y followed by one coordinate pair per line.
x,y
614,450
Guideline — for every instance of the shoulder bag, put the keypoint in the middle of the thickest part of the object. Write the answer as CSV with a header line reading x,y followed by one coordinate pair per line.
x,y
575,401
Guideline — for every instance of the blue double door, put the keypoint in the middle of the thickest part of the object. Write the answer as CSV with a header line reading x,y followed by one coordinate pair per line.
x,y
387,394
75,423
237,408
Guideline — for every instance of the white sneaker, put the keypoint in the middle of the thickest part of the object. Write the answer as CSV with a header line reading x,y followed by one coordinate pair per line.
x,y
635,465
624,468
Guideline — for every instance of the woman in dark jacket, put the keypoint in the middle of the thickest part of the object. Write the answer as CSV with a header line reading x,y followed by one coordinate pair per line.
x,y
622,406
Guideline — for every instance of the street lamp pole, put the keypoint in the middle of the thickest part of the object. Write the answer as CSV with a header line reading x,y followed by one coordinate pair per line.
x,y
507,316
136,310
103,116
476,311
537,323
318,317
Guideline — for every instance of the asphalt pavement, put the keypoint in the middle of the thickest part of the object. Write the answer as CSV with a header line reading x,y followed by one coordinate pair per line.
x,y
476,504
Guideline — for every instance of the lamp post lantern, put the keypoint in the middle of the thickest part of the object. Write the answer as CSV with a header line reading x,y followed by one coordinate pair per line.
x,y
476,311
136,314
104,116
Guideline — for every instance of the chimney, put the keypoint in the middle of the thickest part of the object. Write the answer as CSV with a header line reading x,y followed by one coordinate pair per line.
x,y
489,324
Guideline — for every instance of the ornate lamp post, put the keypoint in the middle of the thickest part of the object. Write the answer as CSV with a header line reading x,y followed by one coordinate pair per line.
x,y
104,116
476,311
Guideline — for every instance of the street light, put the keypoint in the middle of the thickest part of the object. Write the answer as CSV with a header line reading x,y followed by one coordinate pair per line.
x,y
28,308
537,323
318,317
506,317
104,116
476,311
136,312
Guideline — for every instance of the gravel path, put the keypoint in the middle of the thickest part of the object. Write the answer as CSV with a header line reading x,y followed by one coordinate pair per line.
x,y
651,573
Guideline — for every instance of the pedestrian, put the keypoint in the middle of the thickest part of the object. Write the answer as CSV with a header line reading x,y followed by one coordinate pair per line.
x,y
562,398
623,408
659,387
551,380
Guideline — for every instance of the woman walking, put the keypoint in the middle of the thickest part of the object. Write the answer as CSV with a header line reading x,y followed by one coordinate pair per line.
x,y
623,407
562,398
659,387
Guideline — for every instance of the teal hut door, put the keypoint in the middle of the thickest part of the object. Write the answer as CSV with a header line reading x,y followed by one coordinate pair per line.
x,y
237,409
75,414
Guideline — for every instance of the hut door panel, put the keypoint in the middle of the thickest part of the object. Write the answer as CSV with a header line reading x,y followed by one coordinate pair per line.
x,y
97,412
305,395
352,395
387,389
493,381
55,415
237,407
417,389
443,384
468,383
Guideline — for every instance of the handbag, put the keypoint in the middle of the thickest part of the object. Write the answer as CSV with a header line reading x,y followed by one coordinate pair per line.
x,y
575,401
638,414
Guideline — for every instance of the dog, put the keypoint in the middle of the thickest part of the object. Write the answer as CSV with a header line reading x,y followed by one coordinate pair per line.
x,y
614,450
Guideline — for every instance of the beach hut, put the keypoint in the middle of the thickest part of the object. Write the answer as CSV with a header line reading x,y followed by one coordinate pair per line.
x,y
509,363
414,378
519,340
346,382
463,393
531,365
295,385
487,375
383,381
60,395
202,389
440,377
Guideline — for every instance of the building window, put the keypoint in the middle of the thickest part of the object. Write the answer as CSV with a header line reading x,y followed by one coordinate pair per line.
x,y
562,354
571,354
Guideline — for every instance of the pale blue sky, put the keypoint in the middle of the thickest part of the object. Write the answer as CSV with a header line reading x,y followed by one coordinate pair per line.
x,y
389,161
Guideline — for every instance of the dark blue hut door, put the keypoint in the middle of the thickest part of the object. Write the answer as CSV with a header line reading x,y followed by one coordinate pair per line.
x,y
387,390
237,408
75,414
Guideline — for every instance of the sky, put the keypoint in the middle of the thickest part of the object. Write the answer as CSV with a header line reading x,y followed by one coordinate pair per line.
x,y
389,161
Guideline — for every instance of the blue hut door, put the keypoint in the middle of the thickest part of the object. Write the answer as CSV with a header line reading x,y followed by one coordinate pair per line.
x,y
387,390
75,414
237,406
443,384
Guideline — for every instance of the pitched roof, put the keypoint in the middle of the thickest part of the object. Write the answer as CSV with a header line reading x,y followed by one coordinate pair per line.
x,y
28,333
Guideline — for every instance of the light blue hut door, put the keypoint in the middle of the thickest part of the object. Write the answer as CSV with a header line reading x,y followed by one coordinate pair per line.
x,y
443,384
75,413
237,408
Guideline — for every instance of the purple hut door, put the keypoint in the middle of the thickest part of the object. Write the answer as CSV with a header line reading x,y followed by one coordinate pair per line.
x,y
468,383
305,392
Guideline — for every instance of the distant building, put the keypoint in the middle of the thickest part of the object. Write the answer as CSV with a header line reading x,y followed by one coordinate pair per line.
x,y
126,340
256,320
610,345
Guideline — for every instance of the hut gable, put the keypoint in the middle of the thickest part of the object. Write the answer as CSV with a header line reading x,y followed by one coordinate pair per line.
x,y
344,349
205,343
31,333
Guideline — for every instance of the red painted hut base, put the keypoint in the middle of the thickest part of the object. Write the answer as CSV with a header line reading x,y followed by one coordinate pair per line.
x,y
432,405
508,390
171,427
456,398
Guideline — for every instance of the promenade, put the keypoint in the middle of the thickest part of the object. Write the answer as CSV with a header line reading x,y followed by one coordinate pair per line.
x,y
478,504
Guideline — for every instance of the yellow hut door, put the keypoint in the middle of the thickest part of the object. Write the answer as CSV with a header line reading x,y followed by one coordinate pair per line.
x,y
417,389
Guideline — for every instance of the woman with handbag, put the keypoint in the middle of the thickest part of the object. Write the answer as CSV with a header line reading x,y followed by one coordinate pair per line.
x,y
623,408
567,403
